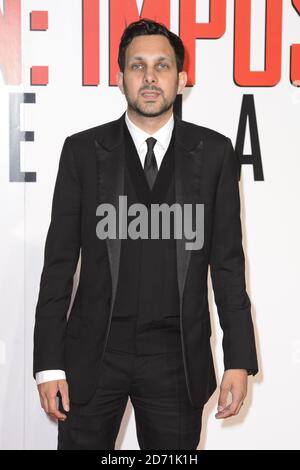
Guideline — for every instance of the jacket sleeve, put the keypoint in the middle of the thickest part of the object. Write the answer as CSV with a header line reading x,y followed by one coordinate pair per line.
x,y
227,266
61,255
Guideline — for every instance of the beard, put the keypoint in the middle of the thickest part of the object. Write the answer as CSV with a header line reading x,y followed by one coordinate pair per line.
x,y
147,109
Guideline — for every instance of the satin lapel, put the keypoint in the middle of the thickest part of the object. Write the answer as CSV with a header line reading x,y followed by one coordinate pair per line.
x,y
188,166
110,155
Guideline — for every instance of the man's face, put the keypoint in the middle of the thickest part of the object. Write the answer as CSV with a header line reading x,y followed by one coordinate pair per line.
x,y
150,81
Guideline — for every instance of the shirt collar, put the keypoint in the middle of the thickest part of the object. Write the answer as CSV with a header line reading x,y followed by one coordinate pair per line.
x,y
162,135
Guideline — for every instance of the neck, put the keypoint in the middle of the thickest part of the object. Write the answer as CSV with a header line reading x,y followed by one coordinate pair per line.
x,y
149,124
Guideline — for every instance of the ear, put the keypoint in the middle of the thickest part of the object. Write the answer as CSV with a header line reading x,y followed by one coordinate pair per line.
x,y
182,82
119,78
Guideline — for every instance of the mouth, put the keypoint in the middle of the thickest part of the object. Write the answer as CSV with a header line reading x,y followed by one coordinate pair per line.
x,y
150,95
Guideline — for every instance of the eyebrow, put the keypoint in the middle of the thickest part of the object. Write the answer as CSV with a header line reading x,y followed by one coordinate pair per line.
x,y
143,58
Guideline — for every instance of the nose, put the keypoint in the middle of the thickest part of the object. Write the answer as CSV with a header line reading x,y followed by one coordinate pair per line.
x,y
150,75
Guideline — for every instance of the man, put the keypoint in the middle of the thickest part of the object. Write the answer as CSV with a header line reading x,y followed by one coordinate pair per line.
x,y
139,326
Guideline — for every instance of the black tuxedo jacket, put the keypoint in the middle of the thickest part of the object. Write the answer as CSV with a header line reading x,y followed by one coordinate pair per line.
x,y
91,172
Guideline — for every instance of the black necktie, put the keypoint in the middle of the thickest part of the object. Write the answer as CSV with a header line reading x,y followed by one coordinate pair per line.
x,y
150,164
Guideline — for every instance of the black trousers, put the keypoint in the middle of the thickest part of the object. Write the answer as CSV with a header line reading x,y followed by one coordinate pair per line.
x,y
155,383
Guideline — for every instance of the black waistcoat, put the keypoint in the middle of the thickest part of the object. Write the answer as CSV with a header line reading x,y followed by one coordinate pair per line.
x,y
145,317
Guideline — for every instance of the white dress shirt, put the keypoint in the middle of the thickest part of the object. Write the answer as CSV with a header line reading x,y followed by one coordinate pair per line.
x,y
163,137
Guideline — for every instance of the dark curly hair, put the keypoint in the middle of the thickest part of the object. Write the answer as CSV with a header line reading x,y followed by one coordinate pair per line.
x,y
144,27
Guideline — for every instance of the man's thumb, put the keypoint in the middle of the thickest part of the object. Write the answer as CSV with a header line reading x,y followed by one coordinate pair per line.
x,y
222,399
64,391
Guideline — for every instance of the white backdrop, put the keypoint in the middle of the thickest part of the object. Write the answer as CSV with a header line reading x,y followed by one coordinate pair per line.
x,y
270,214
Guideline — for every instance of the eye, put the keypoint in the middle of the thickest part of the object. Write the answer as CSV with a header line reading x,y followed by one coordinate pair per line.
x,y
136,66
163,65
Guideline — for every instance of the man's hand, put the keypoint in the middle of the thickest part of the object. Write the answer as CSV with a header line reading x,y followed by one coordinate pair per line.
x,y
48,393
234,381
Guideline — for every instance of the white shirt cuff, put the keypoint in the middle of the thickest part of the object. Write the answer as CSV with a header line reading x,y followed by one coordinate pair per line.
x,y
48,375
